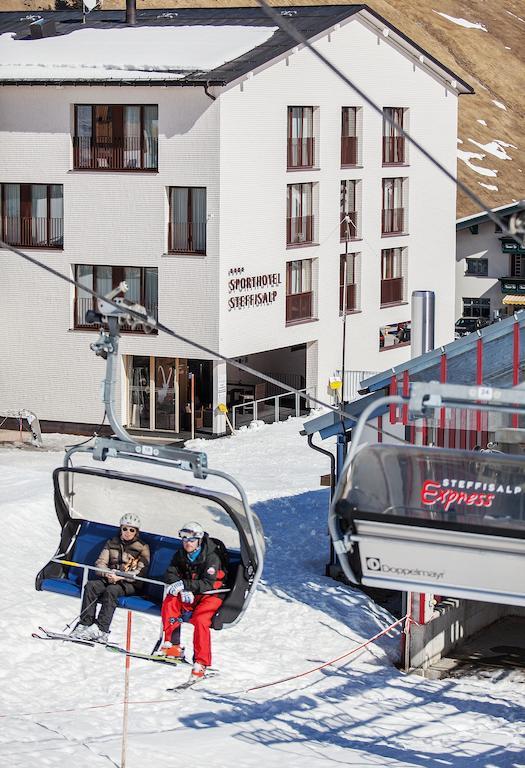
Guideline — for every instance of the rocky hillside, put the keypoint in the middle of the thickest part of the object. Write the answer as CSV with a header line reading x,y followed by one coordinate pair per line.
x,y
481,40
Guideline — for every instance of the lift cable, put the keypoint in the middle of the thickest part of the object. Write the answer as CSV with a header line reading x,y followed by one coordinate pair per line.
x,y
151,321
289,29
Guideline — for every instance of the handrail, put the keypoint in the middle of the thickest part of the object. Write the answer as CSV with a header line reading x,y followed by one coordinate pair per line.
x,y
126,575
305,392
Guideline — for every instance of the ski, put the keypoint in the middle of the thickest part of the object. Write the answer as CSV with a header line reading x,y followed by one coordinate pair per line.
x,y
147,656
192,681
48,635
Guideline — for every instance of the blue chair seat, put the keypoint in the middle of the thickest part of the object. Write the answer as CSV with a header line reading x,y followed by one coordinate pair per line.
x,y
62,587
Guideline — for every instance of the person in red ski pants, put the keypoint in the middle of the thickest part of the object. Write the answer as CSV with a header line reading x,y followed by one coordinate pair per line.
x,y
194,570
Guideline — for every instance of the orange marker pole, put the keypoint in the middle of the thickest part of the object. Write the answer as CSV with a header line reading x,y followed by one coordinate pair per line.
x,y
126,695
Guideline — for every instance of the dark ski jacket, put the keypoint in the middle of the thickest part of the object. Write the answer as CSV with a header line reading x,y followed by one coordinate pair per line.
x,y
204,573
132,556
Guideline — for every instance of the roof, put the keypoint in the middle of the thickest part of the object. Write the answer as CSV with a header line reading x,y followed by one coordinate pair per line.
x,y
258,43
483,216
498,345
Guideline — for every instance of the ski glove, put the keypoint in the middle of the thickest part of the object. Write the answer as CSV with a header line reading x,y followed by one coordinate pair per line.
x,y
187,597
175,588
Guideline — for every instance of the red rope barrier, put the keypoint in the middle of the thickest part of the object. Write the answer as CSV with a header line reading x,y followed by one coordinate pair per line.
x,y
328,663
408,619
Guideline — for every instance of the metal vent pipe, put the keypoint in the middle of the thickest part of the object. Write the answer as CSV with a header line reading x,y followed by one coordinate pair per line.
x,y
131,12
423,321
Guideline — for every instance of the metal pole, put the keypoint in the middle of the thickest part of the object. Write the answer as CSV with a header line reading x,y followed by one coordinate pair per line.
x,y
192,390
126,694
345,304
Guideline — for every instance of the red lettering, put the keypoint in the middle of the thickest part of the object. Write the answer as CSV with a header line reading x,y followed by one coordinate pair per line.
x,y
430,492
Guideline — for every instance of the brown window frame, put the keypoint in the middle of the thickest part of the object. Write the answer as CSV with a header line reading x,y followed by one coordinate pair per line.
x,y
97,152
299,304
394,144
349,141
306,221
392,283
350,229
351,287
26,224
117,276
305,144
191,235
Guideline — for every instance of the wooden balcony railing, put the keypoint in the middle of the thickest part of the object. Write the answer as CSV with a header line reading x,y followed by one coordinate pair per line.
x,y
392,290
394,150
188,237
350,228
83,305
299,306
118,154
351,297
392,221
33,232
301,153
349,150
300,230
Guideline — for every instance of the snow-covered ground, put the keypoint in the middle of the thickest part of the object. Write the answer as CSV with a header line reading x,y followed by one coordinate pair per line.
x,y
61,705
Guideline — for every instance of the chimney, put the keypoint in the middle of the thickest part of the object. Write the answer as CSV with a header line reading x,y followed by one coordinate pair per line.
x,y
422,326
131,12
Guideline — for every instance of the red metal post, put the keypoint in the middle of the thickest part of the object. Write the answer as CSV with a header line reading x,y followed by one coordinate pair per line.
x,y
393,391
406,392
479,378
442,413
516,366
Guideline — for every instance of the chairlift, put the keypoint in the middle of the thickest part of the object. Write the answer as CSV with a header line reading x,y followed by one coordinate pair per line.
x,y
423,518
89,501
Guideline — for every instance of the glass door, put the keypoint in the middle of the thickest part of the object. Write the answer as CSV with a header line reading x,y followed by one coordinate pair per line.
x,y
139,392
166,394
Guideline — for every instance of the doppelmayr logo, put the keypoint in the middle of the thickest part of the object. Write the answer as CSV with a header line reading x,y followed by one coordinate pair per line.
x,y
375,564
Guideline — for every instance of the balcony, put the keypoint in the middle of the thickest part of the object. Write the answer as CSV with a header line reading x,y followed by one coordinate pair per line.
x,y
301,153
351,298
85,304
188,237
299,307
392,221
300,230
349,150
350,228
391,291
117,154
394,150
33,232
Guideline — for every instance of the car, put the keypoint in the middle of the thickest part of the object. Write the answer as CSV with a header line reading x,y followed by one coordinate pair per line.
x,y
466,325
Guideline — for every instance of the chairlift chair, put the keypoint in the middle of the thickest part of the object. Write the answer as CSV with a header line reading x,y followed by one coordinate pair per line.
x,y
89,501
429,519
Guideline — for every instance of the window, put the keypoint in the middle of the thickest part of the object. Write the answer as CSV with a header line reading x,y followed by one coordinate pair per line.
x,y
393,213
116,137
33,215
517,265
349,217
350,129
393,273
394,148
142,288
349,267
299,217
477,267
187,226
301,142
299,293
474,307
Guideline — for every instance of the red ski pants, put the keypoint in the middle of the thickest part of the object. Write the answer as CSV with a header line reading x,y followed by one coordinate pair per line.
x,y
203,610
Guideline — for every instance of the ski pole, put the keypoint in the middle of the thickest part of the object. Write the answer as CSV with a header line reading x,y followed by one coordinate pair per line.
x,y
68,626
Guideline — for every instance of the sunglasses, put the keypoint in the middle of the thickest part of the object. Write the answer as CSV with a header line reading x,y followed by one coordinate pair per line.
x,y
126,528
187,536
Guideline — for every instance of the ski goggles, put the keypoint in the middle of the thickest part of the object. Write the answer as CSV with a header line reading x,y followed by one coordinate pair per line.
x,y
188,535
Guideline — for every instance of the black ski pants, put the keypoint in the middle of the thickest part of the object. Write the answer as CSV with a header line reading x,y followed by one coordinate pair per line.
x,y
99,591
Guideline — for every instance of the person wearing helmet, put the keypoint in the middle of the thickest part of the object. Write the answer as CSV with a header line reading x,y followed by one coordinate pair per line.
x,y
124,552
195,570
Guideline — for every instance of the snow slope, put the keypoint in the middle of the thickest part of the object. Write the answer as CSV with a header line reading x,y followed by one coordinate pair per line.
x,y
61,705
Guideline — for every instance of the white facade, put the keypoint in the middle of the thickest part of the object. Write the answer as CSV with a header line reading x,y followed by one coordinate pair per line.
x,y
481,259
235,146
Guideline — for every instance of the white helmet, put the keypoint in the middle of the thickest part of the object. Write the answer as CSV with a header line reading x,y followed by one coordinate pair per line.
x,y
191,530
130,518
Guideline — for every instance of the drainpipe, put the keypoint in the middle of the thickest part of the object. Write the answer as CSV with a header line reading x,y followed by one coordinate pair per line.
x,y
332,560
131,12
212,97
